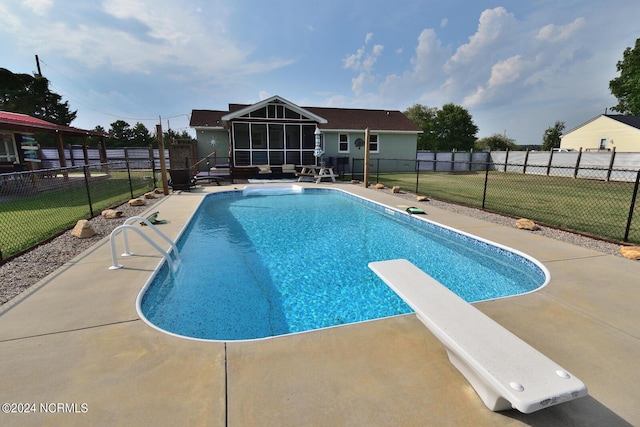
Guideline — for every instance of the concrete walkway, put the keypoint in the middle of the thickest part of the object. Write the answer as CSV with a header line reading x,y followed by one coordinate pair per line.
x,y
73,345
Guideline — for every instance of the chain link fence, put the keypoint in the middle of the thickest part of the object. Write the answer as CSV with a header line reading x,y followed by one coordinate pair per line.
x,y
599,202
36,206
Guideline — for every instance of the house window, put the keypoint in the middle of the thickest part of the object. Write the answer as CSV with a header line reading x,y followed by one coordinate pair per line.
x,y
275,111
7,148
603,143
374,145
258,136
343,143
241,135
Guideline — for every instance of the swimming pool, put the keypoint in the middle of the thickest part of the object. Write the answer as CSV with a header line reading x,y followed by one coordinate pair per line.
x,y
269,262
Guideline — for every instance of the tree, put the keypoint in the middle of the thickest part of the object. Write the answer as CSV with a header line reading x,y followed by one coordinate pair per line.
x,y
496,142
445,129
552,136
454,129
626,87
123,135
141,136
424,117
172,137
22,93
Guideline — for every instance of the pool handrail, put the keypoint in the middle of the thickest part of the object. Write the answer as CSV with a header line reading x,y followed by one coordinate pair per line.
x,y
127,226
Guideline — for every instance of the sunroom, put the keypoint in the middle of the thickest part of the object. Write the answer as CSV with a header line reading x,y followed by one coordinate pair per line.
x,y
272,132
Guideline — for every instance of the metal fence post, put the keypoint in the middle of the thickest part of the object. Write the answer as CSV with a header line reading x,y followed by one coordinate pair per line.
x,y
417,175
632,207
129,175
577,168
486,180
506,159
86,184
611,161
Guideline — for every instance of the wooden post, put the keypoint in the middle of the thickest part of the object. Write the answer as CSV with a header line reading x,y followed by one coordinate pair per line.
x,y
61,156
366,157
103,155
163,165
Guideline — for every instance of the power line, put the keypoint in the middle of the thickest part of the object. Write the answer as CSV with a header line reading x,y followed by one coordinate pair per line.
x,y
80,99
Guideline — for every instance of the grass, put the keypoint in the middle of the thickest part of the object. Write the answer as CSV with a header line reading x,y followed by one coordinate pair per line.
x,y
38,217
593,207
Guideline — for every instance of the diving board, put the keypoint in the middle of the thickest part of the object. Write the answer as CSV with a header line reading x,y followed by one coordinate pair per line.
x,y
505,371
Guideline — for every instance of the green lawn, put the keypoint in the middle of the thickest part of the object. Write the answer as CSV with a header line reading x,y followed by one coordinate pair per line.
x,y
29,220
594,207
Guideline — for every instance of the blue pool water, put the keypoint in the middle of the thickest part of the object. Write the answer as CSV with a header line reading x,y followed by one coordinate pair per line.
x,y
255,266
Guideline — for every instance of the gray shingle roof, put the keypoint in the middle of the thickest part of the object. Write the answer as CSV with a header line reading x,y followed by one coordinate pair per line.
x,y
633,121
337,119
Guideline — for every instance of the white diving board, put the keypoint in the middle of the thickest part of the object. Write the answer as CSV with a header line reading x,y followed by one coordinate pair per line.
x,y
505,371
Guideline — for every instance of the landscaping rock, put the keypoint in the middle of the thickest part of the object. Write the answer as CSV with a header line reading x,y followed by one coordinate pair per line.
x,y
149,195
158,191
83,229
379,186
136,202
526,224
355,181
631,252
111,214
395,189
422,198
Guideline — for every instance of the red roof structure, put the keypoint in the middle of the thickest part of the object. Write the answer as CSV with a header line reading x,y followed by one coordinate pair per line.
x,y
24,123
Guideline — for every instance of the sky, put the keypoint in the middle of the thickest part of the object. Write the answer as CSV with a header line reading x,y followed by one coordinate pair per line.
x,y
517,66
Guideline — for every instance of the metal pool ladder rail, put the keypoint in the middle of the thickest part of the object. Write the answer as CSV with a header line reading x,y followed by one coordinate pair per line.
x,y
173,264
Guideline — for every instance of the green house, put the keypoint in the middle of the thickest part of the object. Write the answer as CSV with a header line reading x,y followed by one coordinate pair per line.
x,y
275,132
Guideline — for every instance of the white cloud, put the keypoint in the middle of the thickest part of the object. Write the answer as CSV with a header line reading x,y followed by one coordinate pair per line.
x,y
39,7
429,56
362,62
553,33
358,83
170,37
352,61
503,73
368,38
263,94
492,26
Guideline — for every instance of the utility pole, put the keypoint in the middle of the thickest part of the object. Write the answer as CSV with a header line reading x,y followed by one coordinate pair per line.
x,y
38,67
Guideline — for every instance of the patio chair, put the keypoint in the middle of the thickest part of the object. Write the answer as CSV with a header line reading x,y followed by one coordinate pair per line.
x,y
264,169
289,168
181,179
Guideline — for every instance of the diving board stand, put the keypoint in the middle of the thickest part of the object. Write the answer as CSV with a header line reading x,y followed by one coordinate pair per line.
x,y
505,371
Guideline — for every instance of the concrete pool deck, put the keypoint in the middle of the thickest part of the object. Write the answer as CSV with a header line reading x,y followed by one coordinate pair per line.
x,y
76,339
